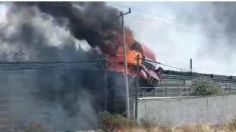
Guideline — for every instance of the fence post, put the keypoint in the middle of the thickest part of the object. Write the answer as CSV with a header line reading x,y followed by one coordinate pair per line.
x,y
184,88
154,91
179,89
166,88
189,88
225,89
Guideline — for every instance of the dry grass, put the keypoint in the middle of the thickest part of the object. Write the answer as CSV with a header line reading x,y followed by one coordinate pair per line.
x,y
147,126
117,123
188,128
31,127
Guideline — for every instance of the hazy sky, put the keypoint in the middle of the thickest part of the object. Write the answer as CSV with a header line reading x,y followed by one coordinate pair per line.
x,y
178,31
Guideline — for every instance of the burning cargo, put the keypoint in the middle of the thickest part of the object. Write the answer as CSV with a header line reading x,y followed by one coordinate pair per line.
x,y
139,57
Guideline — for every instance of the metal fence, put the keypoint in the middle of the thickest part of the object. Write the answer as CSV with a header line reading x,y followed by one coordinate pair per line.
x,y
180,87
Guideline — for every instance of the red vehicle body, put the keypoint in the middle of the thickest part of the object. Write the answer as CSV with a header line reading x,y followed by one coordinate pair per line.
x,y
148,72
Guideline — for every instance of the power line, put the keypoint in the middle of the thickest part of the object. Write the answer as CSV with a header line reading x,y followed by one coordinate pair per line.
x,y
30,65
102,60
154,17
30,68
49,62
167,65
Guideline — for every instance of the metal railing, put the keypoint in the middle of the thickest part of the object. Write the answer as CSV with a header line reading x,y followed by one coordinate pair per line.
x,y
181,89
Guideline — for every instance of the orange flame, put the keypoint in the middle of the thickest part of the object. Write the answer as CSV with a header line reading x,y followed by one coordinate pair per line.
x,y
132,57
116,61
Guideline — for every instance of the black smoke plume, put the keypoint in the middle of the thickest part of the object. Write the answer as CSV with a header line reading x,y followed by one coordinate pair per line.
x,y
69,96
91,21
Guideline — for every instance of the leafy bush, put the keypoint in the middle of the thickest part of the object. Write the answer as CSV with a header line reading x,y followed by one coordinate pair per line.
x,y
205,87
110,123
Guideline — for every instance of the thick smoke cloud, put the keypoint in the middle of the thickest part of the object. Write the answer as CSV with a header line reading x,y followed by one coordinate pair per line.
x,y
217,23
67,97
225,14
93,22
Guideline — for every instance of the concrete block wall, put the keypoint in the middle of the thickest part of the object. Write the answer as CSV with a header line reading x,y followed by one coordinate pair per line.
x,y
180,111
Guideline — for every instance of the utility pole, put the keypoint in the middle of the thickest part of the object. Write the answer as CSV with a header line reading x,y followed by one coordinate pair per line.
x,y
191,65
136,89
122,14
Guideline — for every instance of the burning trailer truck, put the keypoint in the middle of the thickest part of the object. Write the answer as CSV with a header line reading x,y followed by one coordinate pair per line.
x,y
141,62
